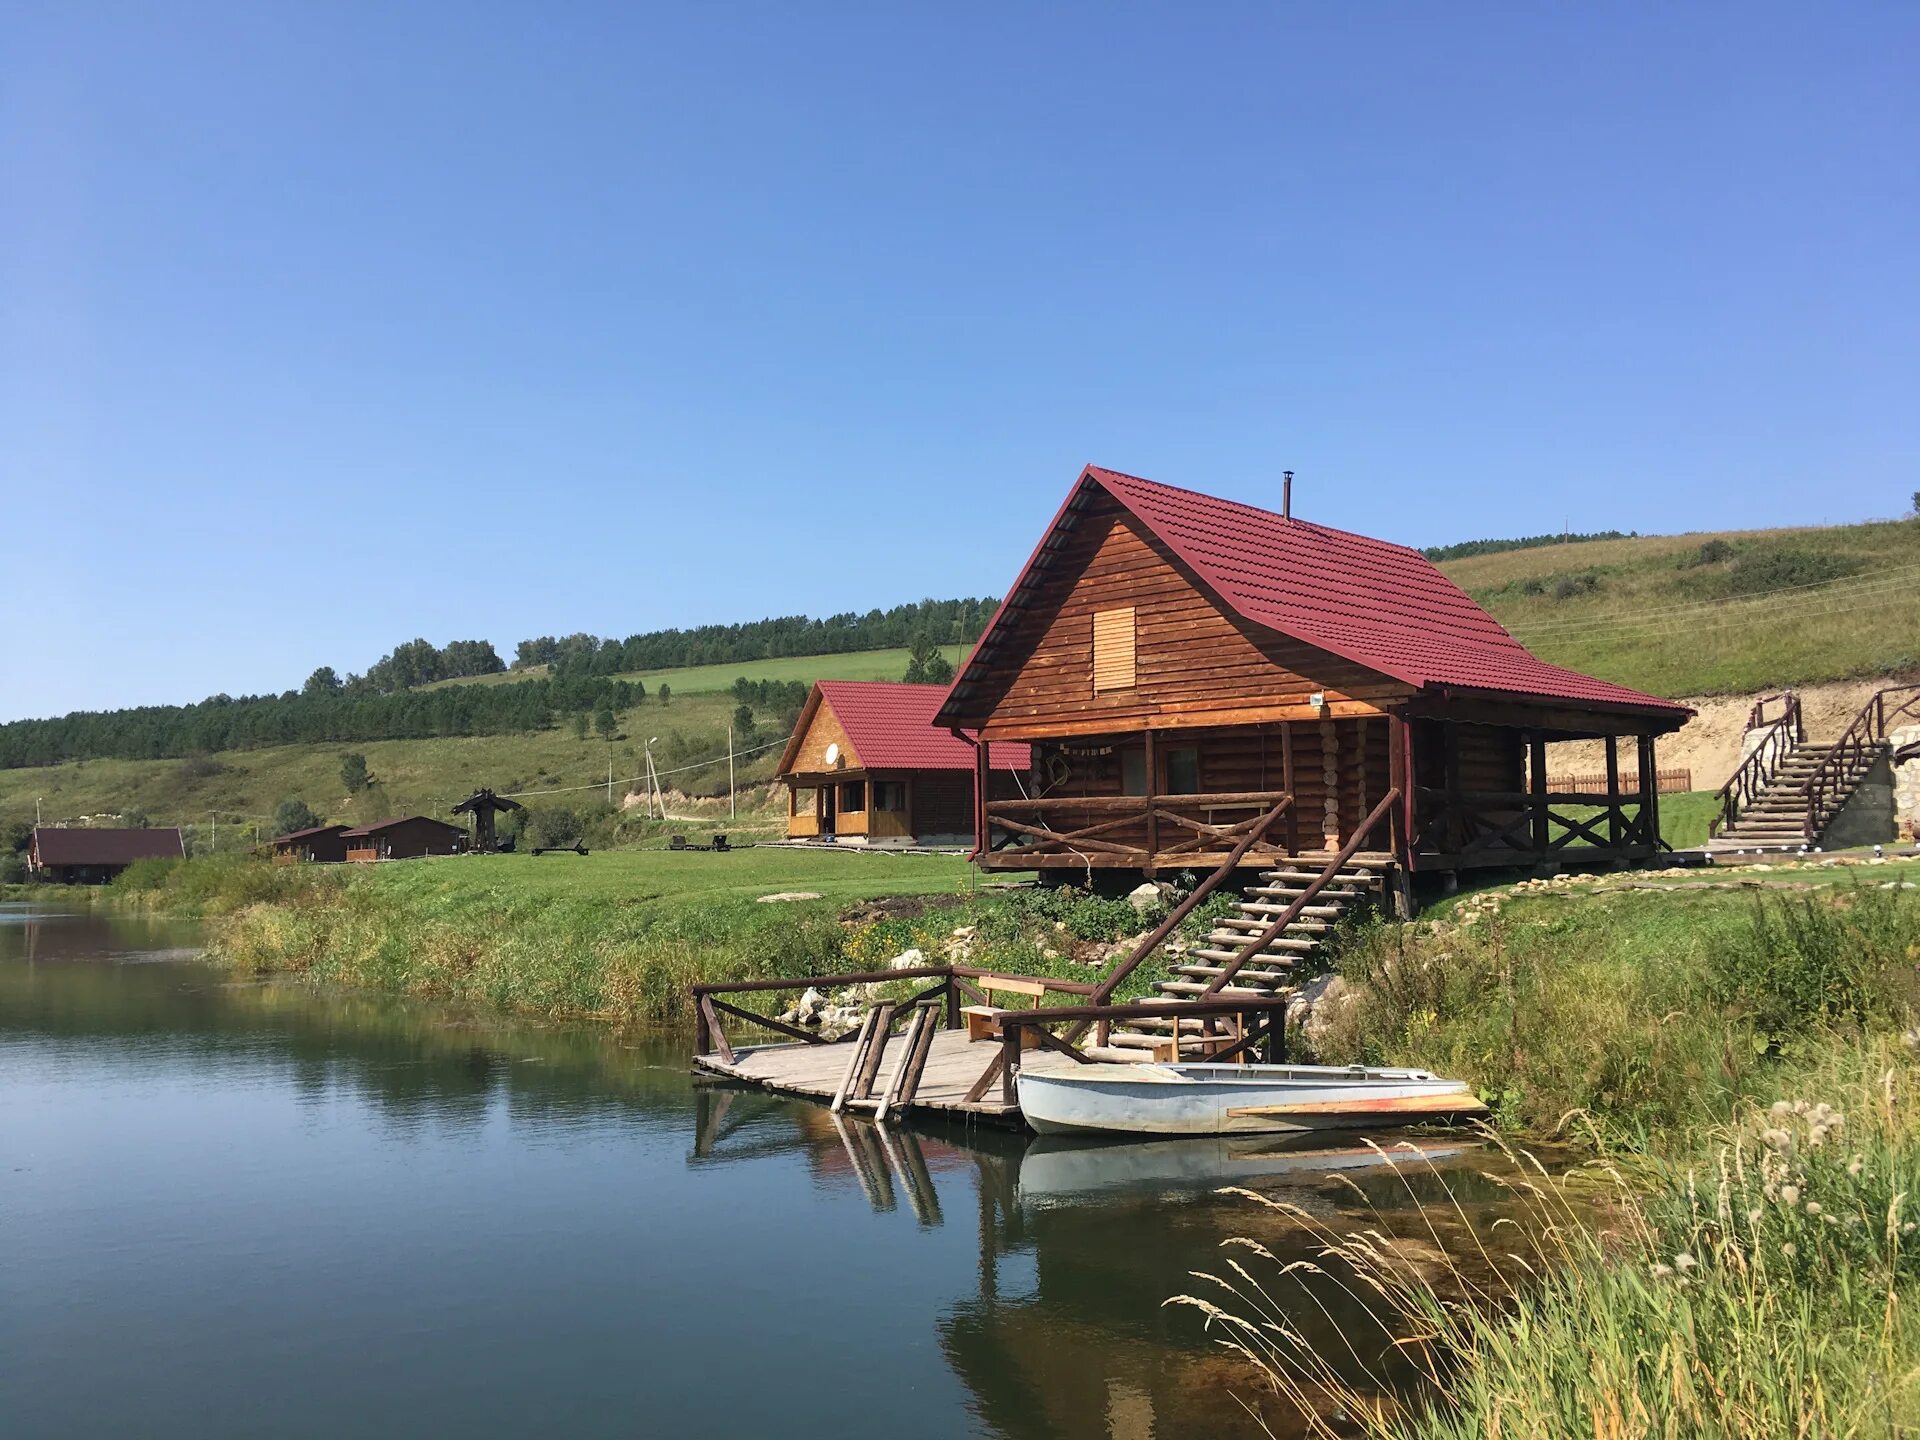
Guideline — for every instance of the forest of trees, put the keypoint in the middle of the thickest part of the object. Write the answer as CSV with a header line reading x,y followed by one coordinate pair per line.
x,y
944,622
1462,549
387,702
155,732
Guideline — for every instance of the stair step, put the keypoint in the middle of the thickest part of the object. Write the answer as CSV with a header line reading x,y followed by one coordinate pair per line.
x,y
1253,924
1174,989
1251,976
1271,907
1356,883
1235,939
1215,952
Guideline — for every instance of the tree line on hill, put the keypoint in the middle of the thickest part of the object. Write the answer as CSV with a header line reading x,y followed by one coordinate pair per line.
x,y
937,622
1464,548
155,732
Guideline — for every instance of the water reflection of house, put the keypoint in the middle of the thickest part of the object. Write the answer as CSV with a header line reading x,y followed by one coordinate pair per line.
x,y
1065,1332
865,766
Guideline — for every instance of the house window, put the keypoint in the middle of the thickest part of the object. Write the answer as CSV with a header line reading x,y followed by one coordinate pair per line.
x,y
853,796
1133,772
804,798
890,795
1112,650
1183,772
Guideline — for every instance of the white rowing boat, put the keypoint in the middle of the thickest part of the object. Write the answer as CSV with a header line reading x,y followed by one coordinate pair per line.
x,y
1220,1099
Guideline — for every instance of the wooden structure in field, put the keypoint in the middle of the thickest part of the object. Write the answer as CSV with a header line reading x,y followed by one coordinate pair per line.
x,y
324,844
406,837
483,805
866,766
81,855
1189,671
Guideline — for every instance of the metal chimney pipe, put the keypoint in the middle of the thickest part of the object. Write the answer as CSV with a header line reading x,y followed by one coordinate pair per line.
x,y
1286,495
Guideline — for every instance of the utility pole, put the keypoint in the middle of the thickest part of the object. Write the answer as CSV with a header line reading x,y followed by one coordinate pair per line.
x,y
609,780
733,812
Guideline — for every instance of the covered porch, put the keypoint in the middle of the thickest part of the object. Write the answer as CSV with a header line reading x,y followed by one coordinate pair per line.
x,y
1468,791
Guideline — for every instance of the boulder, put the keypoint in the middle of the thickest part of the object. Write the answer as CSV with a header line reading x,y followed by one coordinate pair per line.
x,y
1149,897
787,895
908,959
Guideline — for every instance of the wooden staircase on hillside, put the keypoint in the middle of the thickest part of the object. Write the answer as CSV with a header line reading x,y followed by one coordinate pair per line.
x,y
1788,791
1222,965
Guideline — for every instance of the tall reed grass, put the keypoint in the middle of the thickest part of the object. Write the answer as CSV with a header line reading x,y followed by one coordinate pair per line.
x,y
1763,1292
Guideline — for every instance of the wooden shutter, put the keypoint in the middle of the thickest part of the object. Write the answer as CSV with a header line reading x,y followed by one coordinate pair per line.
x,y
1113,650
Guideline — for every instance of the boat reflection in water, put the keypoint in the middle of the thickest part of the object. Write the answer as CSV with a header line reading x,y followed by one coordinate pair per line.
x,y
1081,1241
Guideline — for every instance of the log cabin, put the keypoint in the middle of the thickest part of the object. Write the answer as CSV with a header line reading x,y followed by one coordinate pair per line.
x,y
81,855
866,766
319,844
1189,671
406,837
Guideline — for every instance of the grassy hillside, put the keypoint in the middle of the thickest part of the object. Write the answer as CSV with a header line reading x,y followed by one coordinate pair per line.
x,y
1729,613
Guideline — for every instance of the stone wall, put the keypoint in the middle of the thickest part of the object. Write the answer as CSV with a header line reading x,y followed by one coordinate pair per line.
x,y
1906,781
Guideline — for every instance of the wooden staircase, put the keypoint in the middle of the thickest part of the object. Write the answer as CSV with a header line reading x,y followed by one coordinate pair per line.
x,y
1787,792
1218,966
1775,817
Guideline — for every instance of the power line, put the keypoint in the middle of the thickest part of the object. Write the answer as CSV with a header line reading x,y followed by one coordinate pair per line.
x,y
634,779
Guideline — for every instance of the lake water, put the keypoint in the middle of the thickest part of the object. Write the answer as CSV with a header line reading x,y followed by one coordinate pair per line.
x,y
231,1207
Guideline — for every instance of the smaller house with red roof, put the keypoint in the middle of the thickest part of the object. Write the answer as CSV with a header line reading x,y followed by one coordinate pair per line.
x,y
867,766
82,855
319,844
1181,666
406,837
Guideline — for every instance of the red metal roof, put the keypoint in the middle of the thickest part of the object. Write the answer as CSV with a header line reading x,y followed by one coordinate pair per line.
x,y
1380,605
891,727
56,845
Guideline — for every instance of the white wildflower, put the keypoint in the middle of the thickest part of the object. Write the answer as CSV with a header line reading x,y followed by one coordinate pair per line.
x,y
1683,1261
1790,1195
1813,1207
1662,1272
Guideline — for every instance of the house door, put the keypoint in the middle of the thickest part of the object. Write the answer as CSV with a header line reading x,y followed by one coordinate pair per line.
x,y
828,795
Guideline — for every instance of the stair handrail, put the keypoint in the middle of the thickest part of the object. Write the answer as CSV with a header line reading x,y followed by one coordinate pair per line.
x,y
1157,937
1827,787
1762,763
1314,886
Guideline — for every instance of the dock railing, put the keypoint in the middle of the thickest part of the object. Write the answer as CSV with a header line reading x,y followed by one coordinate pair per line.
x,y
952,985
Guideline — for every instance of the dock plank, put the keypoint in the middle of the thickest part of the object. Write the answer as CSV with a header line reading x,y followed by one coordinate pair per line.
x,y
815,1072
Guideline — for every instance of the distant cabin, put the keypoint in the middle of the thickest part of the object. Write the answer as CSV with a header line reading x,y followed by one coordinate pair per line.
x,y
82,856
1182,666
865,766
407,837
322,843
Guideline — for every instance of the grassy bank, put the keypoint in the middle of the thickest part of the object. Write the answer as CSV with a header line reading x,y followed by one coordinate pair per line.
x,y
1747,1056
622,935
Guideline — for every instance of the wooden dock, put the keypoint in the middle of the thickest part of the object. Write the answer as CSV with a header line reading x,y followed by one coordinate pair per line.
x,y
953,1065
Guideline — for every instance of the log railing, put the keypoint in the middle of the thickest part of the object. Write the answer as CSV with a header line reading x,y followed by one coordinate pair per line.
x,y
1117,825
1492,823
951,985
1857,748
1784,730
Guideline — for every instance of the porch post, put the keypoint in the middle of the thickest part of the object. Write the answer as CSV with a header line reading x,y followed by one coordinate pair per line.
x,y
982,769
1649,795
1153,818
1286,784
1614,836
1537,791
1409,779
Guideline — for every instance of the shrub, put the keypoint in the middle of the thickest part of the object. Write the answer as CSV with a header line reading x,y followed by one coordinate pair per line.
x,y
1711,552
1782,567
1802,959
1567,587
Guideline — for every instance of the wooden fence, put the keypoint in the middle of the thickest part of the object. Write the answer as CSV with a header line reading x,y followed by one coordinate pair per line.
x,y
1667,782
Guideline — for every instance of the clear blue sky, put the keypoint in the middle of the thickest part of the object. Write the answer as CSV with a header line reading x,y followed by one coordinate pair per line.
x,y
326,326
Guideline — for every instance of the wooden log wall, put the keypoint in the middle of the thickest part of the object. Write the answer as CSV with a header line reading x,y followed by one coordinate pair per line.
x,y
1195,663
